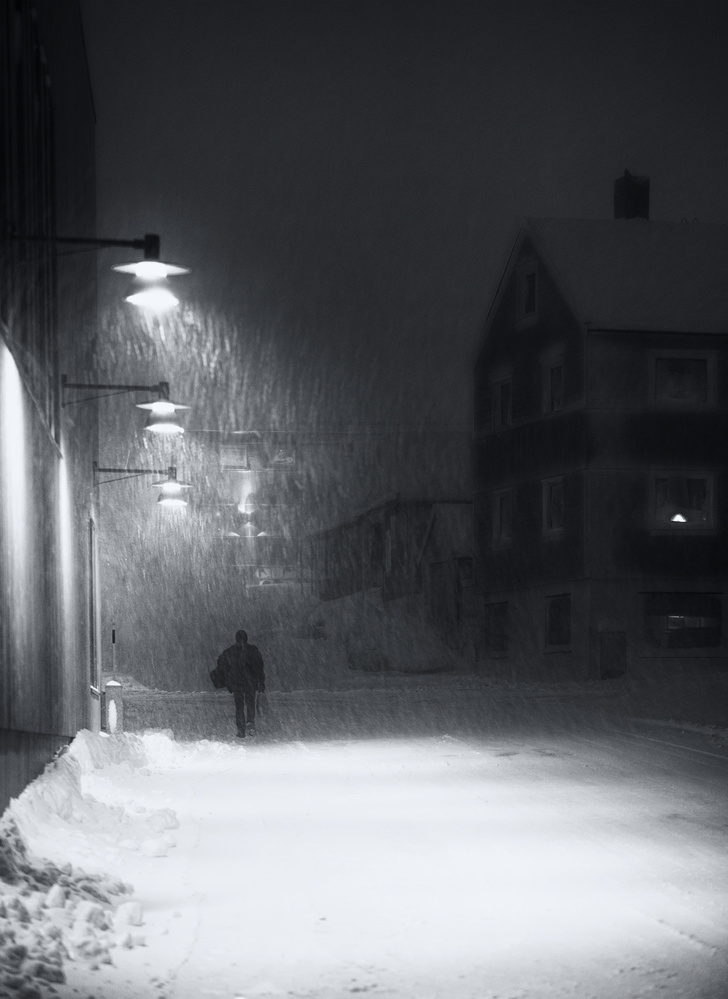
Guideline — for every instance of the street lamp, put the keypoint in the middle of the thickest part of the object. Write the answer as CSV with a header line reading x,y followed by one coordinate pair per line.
x,y
161,419
150,274
171,489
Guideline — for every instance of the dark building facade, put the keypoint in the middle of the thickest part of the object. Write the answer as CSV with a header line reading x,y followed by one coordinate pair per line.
x,y
49,662
600,490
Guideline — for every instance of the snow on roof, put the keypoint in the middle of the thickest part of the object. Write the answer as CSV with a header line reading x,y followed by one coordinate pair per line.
x,y
639,275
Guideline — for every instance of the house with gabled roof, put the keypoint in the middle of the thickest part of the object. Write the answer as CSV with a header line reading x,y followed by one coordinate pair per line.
x,y
599,460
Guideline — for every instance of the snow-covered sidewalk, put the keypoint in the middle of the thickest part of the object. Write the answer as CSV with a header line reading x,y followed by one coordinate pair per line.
x,y
546,866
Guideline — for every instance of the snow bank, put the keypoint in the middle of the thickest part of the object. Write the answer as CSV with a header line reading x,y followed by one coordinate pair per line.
x,y
52,911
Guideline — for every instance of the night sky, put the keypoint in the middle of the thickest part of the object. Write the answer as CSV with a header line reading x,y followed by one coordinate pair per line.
x,y
349,177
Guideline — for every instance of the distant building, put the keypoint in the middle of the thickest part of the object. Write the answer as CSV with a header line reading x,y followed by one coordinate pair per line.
x,y
601,420
49,643
405,553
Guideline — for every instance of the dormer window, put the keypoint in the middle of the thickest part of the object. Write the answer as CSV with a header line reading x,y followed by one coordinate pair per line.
x,y
527,294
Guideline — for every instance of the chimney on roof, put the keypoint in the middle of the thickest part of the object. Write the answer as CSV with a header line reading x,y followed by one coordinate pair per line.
x,y
631,197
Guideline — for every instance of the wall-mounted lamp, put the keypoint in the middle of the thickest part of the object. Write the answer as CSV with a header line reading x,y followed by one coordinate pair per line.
x,y
161,419
152,289
171,489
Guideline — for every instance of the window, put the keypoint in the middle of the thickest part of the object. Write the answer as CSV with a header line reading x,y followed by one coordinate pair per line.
x,y
683,620
553,506
682,502
553,385
496,629
527,294
558,620
682,380
502,412
502,518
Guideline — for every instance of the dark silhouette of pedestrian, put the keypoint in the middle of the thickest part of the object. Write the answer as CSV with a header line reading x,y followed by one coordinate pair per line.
x,y
241,666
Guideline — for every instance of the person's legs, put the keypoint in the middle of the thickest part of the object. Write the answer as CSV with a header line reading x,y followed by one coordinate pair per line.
x,y
250,707
240,712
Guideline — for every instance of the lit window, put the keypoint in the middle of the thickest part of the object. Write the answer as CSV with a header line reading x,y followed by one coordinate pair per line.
x,y
558,620
683,620
682,502
553,506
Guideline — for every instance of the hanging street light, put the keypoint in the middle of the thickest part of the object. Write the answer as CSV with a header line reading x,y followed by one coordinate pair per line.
x,y
171,490
161,419
151,288
150,278
171,494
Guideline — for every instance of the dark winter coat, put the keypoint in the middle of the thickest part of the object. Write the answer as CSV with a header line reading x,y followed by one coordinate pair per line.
x,y
242,667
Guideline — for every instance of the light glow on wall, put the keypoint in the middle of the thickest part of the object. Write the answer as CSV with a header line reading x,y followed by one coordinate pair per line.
x,y
13,478
65,535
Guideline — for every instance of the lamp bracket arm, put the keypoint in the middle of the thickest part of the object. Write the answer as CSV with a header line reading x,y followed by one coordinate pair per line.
x,y
124,473
149,244
161,388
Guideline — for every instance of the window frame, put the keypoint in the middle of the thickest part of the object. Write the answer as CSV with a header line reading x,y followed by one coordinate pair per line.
x,y
663,644
557,646
672,528
499,539
709,356
497,386
551,533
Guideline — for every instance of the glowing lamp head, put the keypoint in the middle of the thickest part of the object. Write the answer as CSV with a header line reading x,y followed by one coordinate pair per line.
x,y
171,493
151,290
151,270
162,418
155,298
679,519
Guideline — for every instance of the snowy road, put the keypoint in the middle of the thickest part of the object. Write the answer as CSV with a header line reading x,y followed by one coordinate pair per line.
x,y
549,866
520,866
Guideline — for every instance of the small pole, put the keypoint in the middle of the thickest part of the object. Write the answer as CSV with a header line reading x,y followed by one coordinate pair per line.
x,y
114,707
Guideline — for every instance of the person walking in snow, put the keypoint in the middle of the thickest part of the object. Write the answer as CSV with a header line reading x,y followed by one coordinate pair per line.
x,y
244,672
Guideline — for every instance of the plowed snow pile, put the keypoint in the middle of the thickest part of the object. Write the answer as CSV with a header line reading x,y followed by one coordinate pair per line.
x,y
59,912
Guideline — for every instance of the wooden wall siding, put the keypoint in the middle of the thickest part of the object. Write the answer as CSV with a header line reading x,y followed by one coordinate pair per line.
x,y
521,349
536,450
532,556
622,543
657,438
618,373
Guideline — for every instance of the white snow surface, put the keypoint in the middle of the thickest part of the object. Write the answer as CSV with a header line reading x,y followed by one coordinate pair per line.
x,y
508,867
